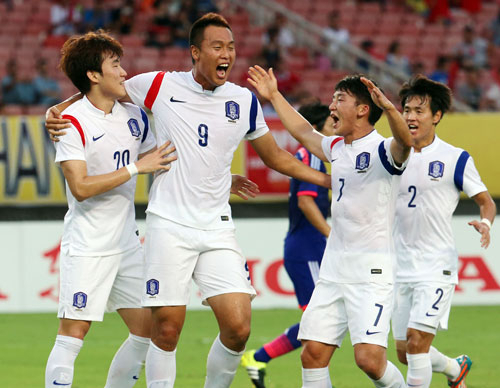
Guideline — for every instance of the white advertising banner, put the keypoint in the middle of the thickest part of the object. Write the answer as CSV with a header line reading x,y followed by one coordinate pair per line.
x,y
29,264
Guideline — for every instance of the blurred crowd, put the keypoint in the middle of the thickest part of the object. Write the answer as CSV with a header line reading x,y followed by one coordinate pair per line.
x,y
465,68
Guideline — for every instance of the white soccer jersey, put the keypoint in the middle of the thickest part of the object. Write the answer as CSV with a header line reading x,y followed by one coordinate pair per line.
x,y
103,224
365,182
205,127
429,193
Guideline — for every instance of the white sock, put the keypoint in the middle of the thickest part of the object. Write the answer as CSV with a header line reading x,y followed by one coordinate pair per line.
x,y
160,367
392,378
316,378
61,362
127,363
419,370
222,364
443,364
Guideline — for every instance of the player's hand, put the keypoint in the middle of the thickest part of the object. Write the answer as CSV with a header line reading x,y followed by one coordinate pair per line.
x,y
484,230
159,159
378,97
264,82
55,124
243,187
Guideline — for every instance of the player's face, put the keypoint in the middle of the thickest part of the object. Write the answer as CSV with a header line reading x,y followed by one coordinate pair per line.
x,y
343,111
421,122
215,58
111,82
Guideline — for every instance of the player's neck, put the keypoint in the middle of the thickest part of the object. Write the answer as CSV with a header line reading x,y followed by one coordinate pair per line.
x,y
358,132
101,101
419,145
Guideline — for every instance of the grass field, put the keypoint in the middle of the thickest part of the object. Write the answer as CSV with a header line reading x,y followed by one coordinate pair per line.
x,y
26,340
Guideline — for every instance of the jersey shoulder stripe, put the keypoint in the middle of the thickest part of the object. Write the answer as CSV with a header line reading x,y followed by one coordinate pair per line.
x,y
253,115
335,141
77,125
458,177
385,161
153,90
146,125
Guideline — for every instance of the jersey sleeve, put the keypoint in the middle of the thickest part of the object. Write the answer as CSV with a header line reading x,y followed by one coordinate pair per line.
x,y
71,146
470,178
305,188
143,88
148,140
257,125
327,144
384,152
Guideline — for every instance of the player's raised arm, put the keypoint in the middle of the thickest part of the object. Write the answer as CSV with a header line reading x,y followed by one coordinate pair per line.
x,y
402,143
282,161
487,212
266,85
84,186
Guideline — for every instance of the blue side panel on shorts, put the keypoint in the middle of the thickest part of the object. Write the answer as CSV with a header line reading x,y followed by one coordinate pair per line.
x,y
385,162
459,170
253,114
146,125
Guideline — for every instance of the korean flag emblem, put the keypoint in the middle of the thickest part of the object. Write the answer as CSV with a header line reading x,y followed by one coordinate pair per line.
x,y
232,110
363,161
133,125
152,287
436,169
79,300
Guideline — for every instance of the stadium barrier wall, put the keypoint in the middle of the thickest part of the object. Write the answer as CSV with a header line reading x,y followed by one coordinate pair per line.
x,y
28,175
29,273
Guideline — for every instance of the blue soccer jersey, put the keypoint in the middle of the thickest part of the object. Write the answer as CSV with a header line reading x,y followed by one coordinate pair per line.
x,y
304,244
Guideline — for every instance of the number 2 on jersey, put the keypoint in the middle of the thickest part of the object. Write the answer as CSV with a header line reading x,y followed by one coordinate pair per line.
x,y
123,157
203,133
414,189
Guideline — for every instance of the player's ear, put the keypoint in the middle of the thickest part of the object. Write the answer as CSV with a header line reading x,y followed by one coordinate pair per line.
x,y
92,76
437,117
363,109
195,53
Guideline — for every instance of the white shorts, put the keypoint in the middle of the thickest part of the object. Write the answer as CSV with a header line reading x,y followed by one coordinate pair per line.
x,y
362,308
423,306
90,286
176,253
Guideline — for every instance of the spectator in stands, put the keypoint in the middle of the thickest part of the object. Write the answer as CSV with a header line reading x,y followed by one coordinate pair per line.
x,y
286,38
442,71
470,91
65,17
395,59
123,17
289,83
439,11
161,33
271,52
473,50
417,67
15,89
182,25
495,29
47,89
491,97
96,16
368,47
336,35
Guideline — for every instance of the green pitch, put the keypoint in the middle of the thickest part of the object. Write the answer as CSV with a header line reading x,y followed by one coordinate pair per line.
x,y
26,341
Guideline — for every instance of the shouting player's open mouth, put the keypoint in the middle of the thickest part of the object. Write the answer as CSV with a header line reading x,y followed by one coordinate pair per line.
x,y
222,70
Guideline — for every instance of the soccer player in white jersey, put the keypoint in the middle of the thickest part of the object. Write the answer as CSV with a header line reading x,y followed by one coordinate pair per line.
x,y
427,261
189,228
355,287
108,144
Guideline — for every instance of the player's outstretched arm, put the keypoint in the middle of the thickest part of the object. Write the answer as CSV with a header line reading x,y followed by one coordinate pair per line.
x,y
243,187
487,212
313,214
282,161
267,86
83,186
402,143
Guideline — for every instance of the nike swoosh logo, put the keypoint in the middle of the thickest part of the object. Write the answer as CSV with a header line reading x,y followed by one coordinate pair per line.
x,y
56,383
333,160
98,137
368,332
135,377
430,315
172,99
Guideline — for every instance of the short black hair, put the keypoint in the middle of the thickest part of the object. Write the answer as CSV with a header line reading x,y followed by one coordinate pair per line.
x,y
198,27
80,54
316,113
352,84
423,87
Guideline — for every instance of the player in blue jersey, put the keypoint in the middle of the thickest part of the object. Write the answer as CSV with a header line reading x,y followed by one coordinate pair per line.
x,y
304,244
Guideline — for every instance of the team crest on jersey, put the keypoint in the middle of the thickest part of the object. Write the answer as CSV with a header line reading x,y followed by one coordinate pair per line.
x,y
436,169
133,125
362,161
79,300
232,110
152,287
